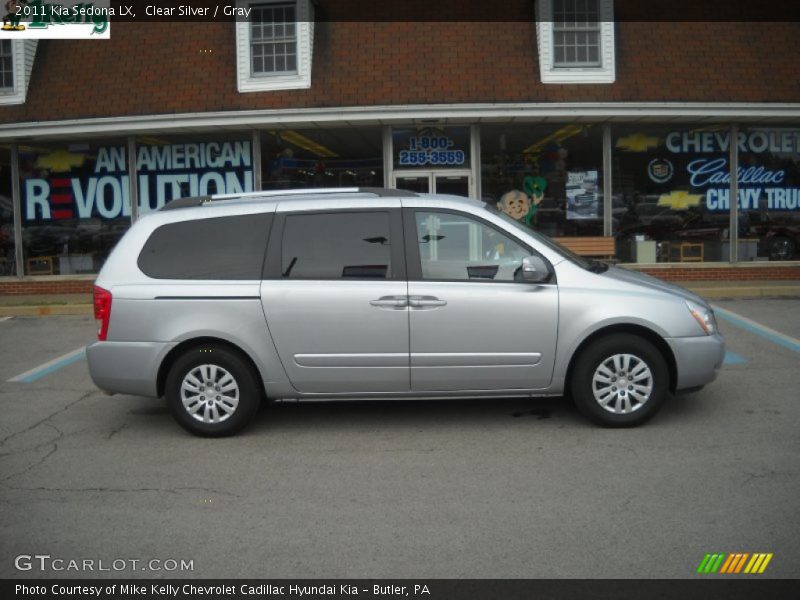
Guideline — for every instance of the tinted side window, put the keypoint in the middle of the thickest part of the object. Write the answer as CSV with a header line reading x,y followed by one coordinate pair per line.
x,y
456,247
336,246
218,248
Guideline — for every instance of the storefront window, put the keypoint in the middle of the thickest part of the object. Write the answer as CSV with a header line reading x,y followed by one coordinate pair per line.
x,y
7,253
179,166
322,158
546,176
670,193
769,193
75,205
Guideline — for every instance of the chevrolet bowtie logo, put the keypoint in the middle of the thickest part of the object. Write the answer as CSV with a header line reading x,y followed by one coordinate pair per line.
x,y
60,161
679,200
637,142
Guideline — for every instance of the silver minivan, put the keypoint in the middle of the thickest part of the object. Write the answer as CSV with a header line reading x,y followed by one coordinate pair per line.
x,y
218,303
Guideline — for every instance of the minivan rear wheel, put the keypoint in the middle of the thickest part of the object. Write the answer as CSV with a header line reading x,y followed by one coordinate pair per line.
x,y
212,391
620,380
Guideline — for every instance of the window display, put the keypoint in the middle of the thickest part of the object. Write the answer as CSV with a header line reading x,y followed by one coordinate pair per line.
x,y
75,205
671,187
176,167
769,192
334,157
670,202
546,176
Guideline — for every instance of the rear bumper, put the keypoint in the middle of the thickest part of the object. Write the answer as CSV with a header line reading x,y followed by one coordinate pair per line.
x,y
698,359
126,367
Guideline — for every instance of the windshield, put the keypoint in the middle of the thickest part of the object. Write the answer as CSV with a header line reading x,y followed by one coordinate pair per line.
x,y
547,241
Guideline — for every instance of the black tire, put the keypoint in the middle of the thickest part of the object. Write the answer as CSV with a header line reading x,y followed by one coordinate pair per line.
x,y
232,417
602,350
781,248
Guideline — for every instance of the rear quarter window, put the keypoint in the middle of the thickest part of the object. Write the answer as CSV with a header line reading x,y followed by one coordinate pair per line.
x,y
217,248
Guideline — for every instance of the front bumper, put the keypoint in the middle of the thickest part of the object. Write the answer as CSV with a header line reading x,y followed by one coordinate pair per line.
x,y
126,367
698,359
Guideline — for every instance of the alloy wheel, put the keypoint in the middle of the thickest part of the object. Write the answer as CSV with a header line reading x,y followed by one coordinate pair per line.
x,y
622,383
209,393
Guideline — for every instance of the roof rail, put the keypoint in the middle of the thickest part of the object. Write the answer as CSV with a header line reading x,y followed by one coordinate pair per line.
x,y
377,191
200,200
387,192
290,192
186,202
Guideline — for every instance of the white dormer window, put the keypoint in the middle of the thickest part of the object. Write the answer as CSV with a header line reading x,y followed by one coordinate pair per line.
x,y
273,39
16,62
274,45
576,41
6,66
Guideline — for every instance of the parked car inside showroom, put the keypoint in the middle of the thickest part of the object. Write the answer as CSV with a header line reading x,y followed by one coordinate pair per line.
x,y
781,243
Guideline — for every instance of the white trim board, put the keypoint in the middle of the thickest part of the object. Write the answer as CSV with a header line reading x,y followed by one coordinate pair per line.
x,y
23,53
387,115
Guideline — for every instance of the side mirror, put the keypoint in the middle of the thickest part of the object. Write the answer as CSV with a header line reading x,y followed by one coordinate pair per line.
x,y
534,269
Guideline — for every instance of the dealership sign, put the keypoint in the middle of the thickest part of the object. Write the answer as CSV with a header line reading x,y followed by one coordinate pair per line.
x,y
430,150
431,147
709,172
697,160
759,186
80,186
757,141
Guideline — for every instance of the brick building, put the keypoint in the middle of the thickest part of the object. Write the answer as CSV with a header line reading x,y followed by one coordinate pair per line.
x,y
612,123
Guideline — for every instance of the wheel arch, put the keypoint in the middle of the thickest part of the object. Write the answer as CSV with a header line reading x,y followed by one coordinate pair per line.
x,y
180,349
639,330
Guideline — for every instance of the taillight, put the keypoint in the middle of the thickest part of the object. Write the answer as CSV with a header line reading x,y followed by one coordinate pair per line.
x,y
102,311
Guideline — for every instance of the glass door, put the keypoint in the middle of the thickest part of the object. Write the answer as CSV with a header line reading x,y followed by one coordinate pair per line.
x,y
413,182
451,184
458,183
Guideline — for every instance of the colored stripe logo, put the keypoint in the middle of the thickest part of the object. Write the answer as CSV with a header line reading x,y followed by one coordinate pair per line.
x,y
733,563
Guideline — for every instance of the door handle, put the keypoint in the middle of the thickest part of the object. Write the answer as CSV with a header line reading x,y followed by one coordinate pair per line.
x,y
425,301
390,302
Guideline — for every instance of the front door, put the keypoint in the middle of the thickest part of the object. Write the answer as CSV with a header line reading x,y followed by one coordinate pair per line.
x,y
444,181
473,324
414,182
335,300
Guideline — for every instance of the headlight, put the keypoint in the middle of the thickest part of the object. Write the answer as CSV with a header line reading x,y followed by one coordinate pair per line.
x,y
704,317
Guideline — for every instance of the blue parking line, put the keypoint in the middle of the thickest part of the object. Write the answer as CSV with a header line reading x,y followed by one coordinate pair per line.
x,y
731,358
763,331
50,367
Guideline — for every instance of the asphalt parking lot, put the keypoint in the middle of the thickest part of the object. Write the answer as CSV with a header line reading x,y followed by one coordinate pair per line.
x,y
494,489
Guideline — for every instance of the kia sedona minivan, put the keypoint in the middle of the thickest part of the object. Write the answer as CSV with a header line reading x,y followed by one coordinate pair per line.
x,y
217,303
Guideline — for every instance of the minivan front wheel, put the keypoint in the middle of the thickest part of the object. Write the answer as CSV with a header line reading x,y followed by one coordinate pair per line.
x,y
212,391
620,380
